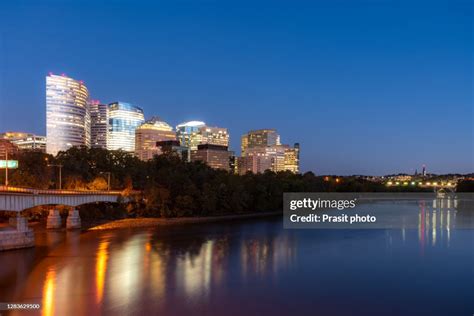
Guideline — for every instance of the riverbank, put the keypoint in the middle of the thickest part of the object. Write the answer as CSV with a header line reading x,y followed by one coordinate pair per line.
x,y
152,222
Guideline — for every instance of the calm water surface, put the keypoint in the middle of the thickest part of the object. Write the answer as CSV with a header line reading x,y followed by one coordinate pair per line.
x,y
252,267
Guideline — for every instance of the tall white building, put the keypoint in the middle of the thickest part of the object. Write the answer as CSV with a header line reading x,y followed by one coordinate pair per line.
x,y
124,118
67,114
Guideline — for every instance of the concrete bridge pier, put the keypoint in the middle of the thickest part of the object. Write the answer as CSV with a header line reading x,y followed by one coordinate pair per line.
x,y
18,236
73,219
54,219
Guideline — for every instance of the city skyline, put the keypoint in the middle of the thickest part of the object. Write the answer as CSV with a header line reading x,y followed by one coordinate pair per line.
x,y
74,119
401,101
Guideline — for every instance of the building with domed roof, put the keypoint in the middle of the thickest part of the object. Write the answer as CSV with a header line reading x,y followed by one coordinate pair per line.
x,y
148,134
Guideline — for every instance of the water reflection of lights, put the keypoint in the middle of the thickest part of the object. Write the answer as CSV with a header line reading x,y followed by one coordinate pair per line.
x,y
268,255
158,275
196,270
101,268
435,223
48,293
154,265
127,284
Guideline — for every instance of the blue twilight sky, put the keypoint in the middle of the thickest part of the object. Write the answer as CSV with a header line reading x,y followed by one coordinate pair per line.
x,y
366,87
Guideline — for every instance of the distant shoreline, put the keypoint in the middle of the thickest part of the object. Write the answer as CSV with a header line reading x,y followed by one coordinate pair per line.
x,y
154,222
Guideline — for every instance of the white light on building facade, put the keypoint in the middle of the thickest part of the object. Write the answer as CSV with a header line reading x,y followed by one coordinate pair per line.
x,y
188,134
67,114
124,118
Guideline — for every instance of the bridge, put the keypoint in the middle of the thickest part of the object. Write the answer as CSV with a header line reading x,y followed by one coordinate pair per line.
x,y
14,199
449,186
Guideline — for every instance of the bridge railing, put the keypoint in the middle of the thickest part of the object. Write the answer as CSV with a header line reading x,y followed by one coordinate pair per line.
x,y
59,192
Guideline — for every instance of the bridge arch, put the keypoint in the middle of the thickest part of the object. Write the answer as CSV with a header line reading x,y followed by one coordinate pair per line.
x,y
17,200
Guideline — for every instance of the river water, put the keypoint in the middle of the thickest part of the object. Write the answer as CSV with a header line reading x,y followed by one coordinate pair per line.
x,y
251,267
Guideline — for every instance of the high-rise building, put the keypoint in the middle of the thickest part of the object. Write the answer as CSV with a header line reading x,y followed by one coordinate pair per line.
x,y
255,163
292,158
188,134
214,136
99,124
67,114
262,150
194,133
26,141
244,143
148,134
124,118
259,138
260,158
215,156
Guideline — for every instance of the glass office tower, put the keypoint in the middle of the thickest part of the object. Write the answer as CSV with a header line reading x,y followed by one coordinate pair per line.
x,y
67,114
188,134
124,118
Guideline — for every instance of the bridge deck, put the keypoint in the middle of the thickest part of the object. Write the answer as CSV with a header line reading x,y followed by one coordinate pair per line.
x,y
20,190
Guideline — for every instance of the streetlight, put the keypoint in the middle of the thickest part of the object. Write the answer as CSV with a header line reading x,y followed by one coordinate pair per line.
x,y
60,166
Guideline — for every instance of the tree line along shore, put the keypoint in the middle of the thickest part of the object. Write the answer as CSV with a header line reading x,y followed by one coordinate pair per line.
x,y
171,188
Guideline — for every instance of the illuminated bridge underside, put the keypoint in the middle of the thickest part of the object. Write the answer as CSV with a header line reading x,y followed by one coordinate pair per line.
x,y
18,202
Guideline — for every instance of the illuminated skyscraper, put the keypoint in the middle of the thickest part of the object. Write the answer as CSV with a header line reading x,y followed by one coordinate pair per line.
x,y
188,134
261,150
260,158
292,158
124,118
195,133
67,114
148,134
244,143
214,136
259,138
99,124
